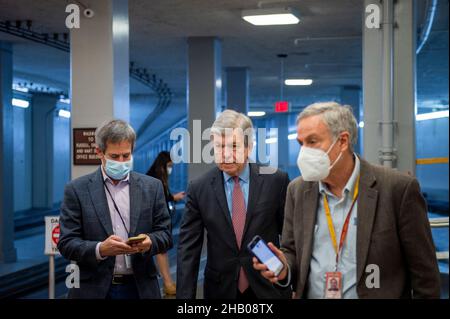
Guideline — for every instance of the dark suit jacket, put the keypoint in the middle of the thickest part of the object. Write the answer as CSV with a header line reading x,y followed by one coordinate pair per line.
x,y
85,220
206,208
393,232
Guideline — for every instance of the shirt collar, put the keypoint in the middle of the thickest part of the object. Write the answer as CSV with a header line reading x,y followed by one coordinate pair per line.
x,y
106,178
349,187
244,176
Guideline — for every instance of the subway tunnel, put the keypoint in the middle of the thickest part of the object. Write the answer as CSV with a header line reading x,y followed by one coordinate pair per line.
x,y
173,66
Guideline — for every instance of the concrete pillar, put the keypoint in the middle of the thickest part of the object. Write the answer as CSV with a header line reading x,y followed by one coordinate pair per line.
x,y
405,85
404,64
237,83
99,54
351,95
204,93
7,249
281,122
43,112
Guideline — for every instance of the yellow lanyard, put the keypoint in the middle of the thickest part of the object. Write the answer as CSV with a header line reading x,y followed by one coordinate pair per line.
x,y
344,229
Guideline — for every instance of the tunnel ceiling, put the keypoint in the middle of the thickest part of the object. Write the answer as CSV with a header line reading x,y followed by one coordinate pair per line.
x,y
158,32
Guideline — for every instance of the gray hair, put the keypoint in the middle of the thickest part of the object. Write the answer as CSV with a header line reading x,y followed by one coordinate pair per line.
x,y
230,119
338,118
114,131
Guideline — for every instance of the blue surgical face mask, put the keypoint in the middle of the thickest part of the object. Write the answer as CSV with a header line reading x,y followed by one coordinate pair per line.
x,y
118,170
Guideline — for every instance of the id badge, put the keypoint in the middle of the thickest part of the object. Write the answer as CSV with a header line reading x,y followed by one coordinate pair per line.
x,y
128,261
333,285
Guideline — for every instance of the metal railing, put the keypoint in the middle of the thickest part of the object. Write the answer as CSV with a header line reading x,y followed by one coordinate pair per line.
x,y
440,222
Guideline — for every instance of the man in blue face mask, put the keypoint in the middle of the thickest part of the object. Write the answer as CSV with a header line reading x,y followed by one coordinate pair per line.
x,y
113,221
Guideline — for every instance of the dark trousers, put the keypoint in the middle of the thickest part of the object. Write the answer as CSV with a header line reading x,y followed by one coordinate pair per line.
x,y
248,294
123,291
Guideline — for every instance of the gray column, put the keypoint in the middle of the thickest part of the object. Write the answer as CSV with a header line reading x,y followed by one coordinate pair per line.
x,y
204,93
43,112
7,250
403,87
99,54
351,95
282,124
237,85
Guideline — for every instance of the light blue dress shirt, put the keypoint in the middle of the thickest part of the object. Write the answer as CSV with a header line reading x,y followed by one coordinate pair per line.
x,y
323,257
244,181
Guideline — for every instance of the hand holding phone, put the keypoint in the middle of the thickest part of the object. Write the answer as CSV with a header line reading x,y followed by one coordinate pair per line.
x,y
136,240
265,255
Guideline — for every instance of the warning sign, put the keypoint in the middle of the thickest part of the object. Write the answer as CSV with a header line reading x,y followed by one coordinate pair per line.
x,y
52,231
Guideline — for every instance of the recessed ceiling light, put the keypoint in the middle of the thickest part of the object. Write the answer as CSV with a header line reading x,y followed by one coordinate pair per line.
x,y
64,113
271,16
20,103
432,115
298,81
256,113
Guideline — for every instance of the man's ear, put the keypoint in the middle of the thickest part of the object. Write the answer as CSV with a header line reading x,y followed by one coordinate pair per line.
x,y
345,141
99,152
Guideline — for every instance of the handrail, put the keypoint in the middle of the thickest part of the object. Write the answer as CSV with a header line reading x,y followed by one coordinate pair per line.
x,y
439,222
442,255
432,160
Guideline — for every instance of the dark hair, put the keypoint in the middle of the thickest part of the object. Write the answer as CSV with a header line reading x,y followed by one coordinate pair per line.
x,y
159,169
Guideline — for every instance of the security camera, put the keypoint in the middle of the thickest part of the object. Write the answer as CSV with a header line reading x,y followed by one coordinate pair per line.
x,y
88,13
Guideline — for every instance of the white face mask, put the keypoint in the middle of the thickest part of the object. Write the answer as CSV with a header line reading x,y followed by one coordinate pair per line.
x,y
314,163
169,170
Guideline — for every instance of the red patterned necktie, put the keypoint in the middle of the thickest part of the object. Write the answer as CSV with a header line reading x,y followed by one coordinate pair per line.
x,y
238,219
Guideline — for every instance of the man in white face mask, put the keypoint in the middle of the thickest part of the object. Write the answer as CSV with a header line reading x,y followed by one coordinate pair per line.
x,y
361,227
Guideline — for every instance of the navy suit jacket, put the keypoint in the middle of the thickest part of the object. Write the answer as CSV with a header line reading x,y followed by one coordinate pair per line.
x,y
207,209
85,220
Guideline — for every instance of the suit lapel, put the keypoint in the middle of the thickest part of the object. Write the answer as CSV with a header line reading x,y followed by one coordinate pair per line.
x,y
309,213
219,192
255,186
135,202
367,204
98,198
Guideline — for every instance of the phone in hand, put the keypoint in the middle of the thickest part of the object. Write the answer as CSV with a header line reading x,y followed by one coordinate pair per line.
x,y
136,240
260,250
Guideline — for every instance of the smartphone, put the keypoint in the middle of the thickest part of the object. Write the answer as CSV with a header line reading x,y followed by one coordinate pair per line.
x,y
260,250
136,240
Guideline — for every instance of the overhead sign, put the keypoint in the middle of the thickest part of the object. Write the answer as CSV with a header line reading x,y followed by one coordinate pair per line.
x,y
52,231
281,106
84,147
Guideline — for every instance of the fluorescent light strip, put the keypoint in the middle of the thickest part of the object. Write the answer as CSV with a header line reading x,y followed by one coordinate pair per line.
x,y
65,101
256,113
64,113
20,88
432,115
272,19
20,103
292,136
271,16
271,140
298,82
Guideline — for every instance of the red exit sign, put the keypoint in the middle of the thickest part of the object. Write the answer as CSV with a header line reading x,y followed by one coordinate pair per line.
x,y
281,106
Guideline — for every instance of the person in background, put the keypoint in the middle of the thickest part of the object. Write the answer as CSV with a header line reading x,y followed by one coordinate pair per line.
x,y
161,169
